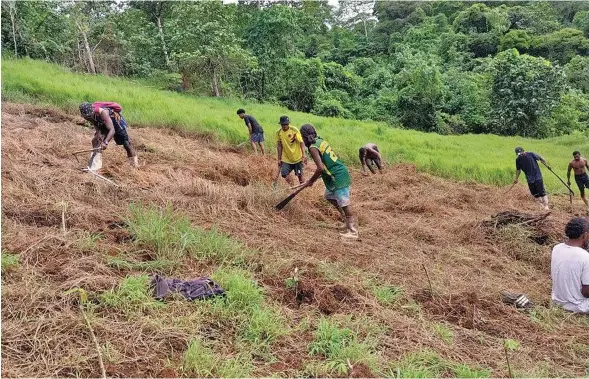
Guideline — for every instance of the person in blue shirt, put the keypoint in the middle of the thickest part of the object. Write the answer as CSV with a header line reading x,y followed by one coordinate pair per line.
x,y
528,163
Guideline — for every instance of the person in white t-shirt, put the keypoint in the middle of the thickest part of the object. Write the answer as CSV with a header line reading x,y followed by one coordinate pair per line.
x,y
570,268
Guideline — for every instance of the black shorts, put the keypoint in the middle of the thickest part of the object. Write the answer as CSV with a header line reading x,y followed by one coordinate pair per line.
x,y
121,136
537,188
582,182
286,168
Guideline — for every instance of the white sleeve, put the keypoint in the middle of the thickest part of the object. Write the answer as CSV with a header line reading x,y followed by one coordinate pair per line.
x,y
585,273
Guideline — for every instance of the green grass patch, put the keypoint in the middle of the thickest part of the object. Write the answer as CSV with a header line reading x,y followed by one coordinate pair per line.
x,y
9,261
480,158
172,236
386,294
444,332
338,345
555,318
428,364
200,360
122,263
256,322
87,241
132,295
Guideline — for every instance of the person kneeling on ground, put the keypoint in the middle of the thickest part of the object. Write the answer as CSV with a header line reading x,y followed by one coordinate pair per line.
x,y
570,268
579,164
255,130
109,123
335,175
370,156
527,162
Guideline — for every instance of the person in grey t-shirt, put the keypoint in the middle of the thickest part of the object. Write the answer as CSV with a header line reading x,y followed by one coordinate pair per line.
x,y
569,268
255,130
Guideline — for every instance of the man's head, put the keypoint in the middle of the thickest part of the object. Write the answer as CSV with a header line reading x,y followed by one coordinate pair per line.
x,y
241,113
519,150
577,230
576,155
284,122
362,152
87,111
309,134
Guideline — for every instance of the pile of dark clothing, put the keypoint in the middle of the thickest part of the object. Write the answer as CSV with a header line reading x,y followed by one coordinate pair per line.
x,y
201,288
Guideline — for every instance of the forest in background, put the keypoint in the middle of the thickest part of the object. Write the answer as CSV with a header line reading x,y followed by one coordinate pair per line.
x,y
507,68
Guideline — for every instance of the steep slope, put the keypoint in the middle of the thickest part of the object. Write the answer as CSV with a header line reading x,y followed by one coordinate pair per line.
x,y
410,222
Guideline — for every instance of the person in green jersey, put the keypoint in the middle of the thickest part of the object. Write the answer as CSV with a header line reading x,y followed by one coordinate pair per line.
x,y
335,175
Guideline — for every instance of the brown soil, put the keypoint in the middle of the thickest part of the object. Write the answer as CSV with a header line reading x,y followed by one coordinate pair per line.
x,y
407,219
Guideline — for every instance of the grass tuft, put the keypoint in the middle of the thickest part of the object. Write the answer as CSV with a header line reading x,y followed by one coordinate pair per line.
x,y
444,332
199,360
9,261
428,364
132,295
339,345
172,236
87,241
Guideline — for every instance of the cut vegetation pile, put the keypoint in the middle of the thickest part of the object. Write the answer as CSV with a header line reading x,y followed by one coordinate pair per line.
x,y
78,252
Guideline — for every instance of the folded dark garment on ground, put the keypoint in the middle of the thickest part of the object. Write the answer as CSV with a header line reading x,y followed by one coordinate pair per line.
x,y
201,288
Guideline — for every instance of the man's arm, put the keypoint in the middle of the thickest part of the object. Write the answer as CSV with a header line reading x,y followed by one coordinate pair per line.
x,y
279,149
111,128
586,164
303,152
249,127
585,290
569,172
517,172
375,152
363,161
317,159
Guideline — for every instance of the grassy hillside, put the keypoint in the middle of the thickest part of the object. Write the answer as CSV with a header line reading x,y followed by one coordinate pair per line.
x,y
482,158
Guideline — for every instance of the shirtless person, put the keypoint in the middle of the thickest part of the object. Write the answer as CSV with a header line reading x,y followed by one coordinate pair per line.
x,y
369,156
578,164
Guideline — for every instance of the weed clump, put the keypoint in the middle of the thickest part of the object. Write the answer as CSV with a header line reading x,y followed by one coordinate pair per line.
x,y
200,360
428,364
340,346
9,261
173,237
132,295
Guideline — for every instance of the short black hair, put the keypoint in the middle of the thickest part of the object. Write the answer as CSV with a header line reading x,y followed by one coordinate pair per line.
x,y
576,152
240,111
361,152
576,227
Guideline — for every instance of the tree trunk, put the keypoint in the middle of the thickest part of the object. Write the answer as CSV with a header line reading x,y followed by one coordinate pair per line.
x,y
215,84
91,67
161,33
365,30
12,11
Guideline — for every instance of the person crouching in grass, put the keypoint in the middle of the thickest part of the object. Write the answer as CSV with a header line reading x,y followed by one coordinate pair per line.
x,y
335,175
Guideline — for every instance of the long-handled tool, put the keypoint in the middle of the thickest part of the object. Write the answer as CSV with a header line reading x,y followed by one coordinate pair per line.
x,y
75,153
283,203
510,188
571,193
275,183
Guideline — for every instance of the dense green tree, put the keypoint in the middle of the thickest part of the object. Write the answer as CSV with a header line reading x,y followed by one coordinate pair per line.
x,y
577,73
524,89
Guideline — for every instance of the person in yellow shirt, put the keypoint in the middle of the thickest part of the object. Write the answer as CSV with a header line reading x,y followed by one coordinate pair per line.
x,y
291,153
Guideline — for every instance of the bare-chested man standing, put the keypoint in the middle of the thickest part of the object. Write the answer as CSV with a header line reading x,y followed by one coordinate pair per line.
x,y
578,164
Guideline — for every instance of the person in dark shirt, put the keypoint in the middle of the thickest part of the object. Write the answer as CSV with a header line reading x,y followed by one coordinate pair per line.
x,y
255,130
528,163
